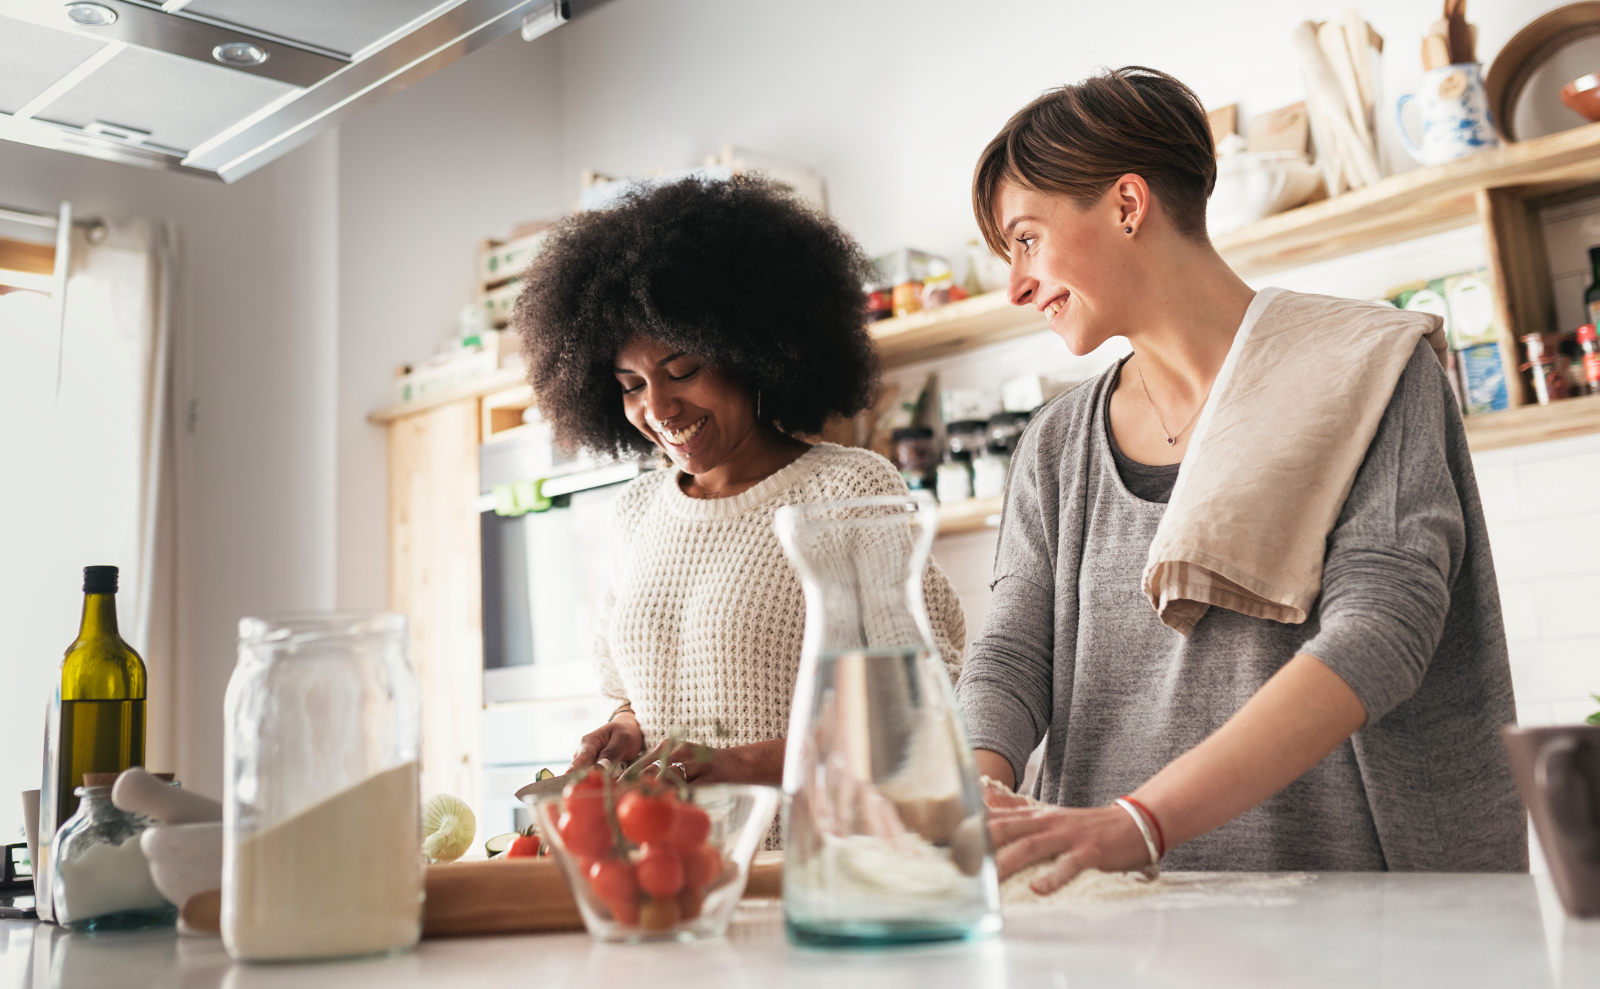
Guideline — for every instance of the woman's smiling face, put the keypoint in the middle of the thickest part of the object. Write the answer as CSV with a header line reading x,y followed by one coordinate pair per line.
x,y
1069,262
682,404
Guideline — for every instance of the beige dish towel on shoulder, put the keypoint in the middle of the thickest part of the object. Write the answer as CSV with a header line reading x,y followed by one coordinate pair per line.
x,y
1275,452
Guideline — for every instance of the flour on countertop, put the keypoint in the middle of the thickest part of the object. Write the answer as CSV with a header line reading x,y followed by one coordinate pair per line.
x,y
1097,892
1093,891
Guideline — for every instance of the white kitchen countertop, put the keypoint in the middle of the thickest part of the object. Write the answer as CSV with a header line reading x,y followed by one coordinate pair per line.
x,y
1363,930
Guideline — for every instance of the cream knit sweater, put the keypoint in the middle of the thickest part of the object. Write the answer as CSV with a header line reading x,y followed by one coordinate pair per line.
x,y
705,617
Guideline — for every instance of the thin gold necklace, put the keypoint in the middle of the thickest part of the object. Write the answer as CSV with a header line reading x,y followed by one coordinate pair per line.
x,y
1171,437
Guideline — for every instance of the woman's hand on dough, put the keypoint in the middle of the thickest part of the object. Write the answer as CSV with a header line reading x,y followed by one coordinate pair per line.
x,y
617,741
1074,838
758,762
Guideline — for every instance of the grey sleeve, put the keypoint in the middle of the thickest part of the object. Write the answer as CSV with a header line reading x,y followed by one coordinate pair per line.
x,y
1396,549
1005,690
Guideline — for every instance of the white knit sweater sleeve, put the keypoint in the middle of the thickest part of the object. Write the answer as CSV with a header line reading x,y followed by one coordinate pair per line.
x,y
610,679
945,616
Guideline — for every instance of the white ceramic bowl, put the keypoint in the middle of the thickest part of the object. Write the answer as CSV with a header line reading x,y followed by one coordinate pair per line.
x,y
185,859
1253,185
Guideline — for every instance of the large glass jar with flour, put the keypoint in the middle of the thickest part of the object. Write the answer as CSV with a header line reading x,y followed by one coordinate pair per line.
x,y
884,829
322,834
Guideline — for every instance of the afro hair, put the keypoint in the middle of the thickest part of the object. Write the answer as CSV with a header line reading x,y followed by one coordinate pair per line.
x,y
736,272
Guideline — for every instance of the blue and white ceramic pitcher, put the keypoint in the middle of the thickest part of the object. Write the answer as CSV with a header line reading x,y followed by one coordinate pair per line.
x,y
1455,115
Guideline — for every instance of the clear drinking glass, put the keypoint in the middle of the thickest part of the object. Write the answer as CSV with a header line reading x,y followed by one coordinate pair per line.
x,y
322,821
884,834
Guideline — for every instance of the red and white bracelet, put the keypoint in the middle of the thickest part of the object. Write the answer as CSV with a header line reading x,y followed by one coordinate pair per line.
x,y
1140,813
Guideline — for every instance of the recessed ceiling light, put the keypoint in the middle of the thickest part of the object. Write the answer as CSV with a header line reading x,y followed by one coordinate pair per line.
x,y
240,54
91,14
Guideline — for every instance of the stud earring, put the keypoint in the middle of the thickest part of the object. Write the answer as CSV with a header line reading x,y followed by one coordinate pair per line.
x,y
1127,230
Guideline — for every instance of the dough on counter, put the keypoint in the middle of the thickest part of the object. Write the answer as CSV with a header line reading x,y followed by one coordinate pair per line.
x,y
1088,886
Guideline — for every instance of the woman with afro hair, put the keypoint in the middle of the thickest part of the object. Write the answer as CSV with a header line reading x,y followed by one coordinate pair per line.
x,y
717,324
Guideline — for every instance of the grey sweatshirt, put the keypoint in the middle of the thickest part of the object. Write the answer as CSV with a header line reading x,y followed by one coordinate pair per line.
x,y
1409,617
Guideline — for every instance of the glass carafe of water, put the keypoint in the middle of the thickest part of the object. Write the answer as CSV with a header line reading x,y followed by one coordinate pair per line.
x,y
884,831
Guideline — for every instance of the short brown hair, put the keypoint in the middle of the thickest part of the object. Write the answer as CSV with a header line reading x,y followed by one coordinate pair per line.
x,y
1078,140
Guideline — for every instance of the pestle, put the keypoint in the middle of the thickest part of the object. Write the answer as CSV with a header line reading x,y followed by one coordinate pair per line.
x,y
137,792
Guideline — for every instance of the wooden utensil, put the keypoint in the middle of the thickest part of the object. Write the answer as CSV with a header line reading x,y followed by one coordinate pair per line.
x,y
202,912
1460,35
1357,38
1435,53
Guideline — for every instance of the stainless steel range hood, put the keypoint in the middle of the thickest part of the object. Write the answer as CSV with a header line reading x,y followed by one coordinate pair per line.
x,y
221,87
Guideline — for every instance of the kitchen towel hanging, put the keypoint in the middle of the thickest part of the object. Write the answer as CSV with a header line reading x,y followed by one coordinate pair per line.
x,y
1276,450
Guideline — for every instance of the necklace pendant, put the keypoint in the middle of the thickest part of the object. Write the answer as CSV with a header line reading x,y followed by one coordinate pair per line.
x,y
1171,440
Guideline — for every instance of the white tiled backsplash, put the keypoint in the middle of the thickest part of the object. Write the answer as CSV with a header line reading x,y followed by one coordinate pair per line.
x,y
1543,512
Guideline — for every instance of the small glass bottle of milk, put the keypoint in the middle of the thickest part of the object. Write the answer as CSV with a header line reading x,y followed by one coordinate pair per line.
x,y
321,827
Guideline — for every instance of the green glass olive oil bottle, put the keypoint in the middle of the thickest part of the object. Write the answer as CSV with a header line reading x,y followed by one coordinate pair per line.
x,y
102,694
96,721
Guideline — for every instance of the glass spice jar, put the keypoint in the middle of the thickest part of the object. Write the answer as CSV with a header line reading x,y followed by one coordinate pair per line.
x,y
101,879
880,301
1005,429
914,453
1547,365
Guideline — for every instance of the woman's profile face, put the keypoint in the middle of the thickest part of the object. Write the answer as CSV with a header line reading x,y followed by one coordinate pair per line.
x,y
683,404
1069,262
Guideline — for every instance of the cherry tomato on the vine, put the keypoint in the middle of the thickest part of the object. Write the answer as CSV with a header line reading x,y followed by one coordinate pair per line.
x,y
526,846
701,866
690,828
613,880
584,827
660,869
645,816
659,914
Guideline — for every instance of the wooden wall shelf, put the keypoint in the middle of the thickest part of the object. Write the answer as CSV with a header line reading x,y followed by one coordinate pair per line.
x,y
1413,204
506,377
1534,423
975,322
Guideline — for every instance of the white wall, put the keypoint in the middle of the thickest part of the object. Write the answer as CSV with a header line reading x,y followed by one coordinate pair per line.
x,y
424,178
257,305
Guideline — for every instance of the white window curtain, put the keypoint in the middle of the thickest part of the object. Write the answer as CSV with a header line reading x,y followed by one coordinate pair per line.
x,y
90,477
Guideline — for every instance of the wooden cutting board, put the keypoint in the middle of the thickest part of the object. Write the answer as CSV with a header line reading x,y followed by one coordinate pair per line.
x,y
530,895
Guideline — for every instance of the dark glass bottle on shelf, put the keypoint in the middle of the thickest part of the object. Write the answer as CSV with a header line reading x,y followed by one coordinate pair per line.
x,y
1591,298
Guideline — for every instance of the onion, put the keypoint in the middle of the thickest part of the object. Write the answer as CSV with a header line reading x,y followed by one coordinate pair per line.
x,y
447,828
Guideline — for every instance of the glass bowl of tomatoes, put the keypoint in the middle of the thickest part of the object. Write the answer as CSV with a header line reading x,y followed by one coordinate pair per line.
x,y
651,861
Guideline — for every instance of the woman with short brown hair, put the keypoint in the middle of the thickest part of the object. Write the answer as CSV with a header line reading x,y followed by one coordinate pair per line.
x,y
1252,639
